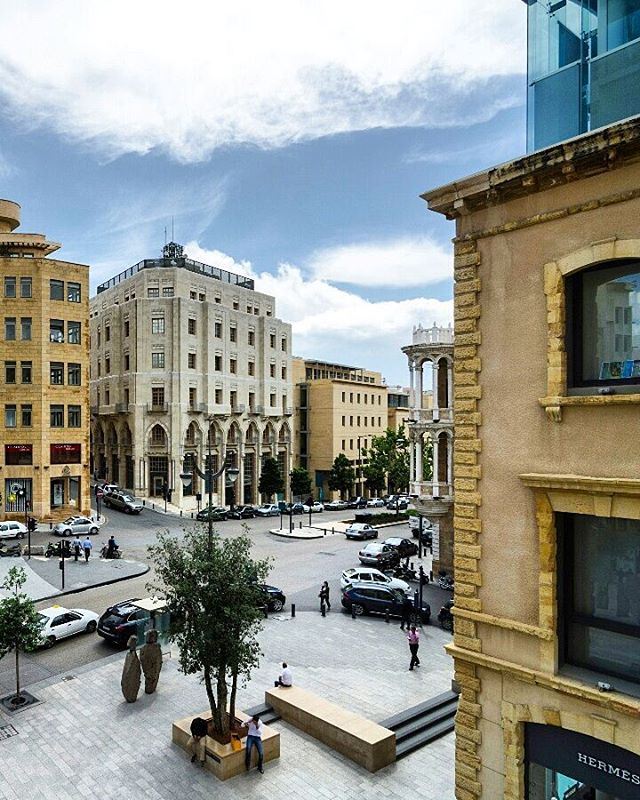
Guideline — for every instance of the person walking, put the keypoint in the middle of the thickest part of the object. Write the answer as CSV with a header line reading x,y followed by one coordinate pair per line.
x,y
414,643
77,546
254,739
405,613
86,546
324,596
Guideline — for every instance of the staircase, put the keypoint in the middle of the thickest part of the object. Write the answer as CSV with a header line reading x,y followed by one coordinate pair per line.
x,y
266,713
423,723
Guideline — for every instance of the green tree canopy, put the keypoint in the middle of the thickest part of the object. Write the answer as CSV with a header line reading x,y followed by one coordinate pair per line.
x,y
210,588
342,477
388,456
300,482
271,481
20,623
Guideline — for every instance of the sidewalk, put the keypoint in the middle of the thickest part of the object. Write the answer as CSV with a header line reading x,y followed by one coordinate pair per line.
x,y
127,751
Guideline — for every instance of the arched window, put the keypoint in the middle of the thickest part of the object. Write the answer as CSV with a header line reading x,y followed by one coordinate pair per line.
x,y
158,435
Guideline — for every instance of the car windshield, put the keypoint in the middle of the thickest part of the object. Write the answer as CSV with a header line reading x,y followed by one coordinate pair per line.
x,y
398,595
127,498
70,520
42,619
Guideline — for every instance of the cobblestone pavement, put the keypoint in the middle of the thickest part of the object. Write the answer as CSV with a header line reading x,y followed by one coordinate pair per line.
x,y
84,741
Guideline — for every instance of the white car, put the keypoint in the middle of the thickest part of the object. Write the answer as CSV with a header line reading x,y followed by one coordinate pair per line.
x,y
369,575
10,529
361,530
76,525
314,508
336,505
375,502
268,510
59,622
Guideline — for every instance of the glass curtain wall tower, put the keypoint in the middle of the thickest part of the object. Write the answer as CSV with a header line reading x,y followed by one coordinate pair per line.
x,y
583,67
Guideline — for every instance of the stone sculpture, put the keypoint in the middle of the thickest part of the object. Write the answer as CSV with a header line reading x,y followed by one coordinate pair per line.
x,y
130,682
151,661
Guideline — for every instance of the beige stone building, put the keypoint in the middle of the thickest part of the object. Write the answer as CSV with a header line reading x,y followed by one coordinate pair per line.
x,y
397,407
338,409
183,353
547,471
44,389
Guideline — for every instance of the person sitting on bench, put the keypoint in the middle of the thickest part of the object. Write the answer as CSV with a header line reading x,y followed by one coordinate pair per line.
x,y
285,678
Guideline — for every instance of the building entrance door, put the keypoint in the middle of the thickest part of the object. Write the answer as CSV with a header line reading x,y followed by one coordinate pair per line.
x,y
57,492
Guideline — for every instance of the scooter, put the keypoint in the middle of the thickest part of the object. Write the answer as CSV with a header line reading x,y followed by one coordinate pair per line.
x,y
445,582
54,549
445,617
106,553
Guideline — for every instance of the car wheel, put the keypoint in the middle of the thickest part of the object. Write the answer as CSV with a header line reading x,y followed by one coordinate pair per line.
x,y
357,609
276,605
93,531
414,618
51,640
91,626
68,532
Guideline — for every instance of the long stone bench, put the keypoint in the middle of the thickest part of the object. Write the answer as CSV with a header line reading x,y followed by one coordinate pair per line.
x,y
361,740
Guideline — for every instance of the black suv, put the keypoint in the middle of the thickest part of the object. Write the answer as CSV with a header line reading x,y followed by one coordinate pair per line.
x,y
242,512
274,598
363,598
404,547
356,502
121,621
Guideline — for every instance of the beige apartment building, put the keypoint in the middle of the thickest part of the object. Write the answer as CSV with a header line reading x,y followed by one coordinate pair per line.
x,y
44,386
338,409
547,471
397,407
187,358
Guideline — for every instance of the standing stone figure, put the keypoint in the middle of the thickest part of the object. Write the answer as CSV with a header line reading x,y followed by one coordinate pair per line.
x,y
130,682
151,660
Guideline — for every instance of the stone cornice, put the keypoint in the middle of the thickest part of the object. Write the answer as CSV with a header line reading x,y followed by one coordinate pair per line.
x,y
581,157
581,483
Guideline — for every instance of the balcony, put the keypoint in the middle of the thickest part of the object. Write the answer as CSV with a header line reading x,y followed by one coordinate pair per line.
x,y
238,408
257,410
198,408
429,416
287,411
122,408
434,500
157,408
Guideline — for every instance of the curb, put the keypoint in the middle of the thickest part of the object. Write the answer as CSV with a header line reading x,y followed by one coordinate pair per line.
x,y
146,569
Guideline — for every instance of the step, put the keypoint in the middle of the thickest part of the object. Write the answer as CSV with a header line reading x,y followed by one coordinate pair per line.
x,y
265,711
429,720
434,703
423,738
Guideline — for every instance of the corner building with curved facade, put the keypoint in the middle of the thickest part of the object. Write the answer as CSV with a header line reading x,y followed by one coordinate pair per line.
x,y
183,353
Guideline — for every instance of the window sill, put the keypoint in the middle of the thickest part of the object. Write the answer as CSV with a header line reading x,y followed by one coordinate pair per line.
x,y
592,678
553,405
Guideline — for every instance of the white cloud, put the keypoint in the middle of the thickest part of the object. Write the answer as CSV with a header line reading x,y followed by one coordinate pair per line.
x,y
335,324
397,262
134,76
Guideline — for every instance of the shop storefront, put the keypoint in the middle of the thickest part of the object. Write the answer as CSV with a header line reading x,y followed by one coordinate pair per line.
x,y
565,765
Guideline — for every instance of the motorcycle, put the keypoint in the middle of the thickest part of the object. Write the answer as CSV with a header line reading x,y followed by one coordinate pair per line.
x,y
10,549
445,582
445,617
106,553
407,573
54,549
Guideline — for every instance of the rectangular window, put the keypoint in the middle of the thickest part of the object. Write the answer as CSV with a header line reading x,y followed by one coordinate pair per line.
x,y
232,366
107,397
236,305
351,397
26,367
344,421
74,332
10,416
153,291
126,362
202,297
73,375
56,290
217,330
26,415
272,340
107,333
73,416
25,287
19,455
57,416
9,287
251,338
157,325
25,329
157,396
157,360
107,365
193,295
252,401
344,394
126,328
217,363
9,371
233,334
99,368
218,396
284,373
272,400
600,594
10,329
283,344
74,294
272,370
56,373
56,330
193,397
251,368
191,326
191,360
167,291
233,398
65,453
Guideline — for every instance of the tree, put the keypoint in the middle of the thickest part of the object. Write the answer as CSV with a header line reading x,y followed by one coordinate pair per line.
x,y
211,589
300,482
20,623
342,476
388,456
271,481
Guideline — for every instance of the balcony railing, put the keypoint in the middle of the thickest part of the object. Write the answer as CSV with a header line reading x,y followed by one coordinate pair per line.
x,y
122,408
238,408
198,408
429,490
157,408
427,416
287,411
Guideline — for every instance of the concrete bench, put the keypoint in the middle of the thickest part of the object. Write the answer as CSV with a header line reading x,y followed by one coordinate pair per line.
x,y
359,739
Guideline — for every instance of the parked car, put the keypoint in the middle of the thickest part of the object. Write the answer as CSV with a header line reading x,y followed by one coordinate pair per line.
x,y
363,598
121,621
356,502
123,501
379,555
405,547
336,505
375,502
213,513
58,623
274,598
73,526
361,530
399,504
11,529
242,512
315,508
268,510
373,576
427,532
295,508
107,488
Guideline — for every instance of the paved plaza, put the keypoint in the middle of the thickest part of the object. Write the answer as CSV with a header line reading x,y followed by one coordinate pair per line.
x,y
84,741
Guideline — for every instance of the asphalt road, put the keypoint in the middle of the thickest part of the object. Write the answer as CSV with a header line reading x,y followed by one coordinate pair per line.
x,y
299,567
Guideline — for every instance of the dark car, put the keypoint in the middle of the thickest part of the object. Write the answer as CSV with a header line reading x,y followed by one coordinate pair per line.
x,y
215,513
400,504
295,508
123,501
404,547
121,621
357,502
242,512
363,598
273,597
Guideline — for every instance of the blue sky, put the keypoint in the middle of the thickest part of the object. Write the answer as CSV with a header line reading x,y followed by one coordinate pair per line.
x,y
289,141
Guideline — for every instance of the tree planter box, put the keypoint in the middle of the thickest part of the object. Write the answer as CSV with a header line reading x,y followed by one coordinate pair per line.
x,y
221,759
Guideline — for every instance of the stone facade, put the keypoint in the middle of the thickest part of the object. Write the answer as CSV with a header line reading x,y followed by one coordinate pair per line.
x,y
531,450
44,384
184,354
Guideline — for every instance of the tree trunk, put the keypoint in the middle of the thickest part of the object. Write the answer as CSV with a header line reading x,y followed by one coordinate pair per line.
x,y
223,719
17,673
232,701
212,700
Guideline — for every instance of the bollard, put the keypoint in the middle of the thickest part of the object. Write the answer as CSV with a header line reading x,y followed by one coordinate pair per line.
x,y
411,565
300,526
192,515
324,533
265,611
153,506
353,613
293,610
180,512
431,575
386,616
332,531
144,503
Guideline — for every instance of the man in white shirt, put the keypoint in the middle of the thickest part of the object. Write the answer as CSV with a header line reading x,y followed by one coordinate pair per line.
x,y
254,739
285,678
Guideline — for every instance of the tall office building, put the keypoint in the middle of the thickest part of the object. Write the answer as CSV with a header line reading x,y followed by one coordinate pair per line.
x,y
583,66
44,384
187,358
